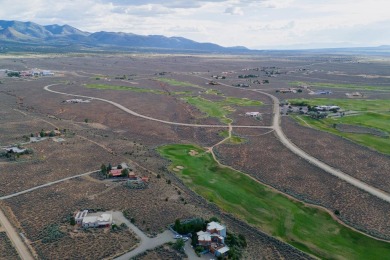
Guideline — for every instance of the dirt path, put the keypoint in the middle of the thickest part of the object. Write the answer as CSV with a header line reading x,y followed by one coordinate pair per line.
x,y
15,238
45,185
100,145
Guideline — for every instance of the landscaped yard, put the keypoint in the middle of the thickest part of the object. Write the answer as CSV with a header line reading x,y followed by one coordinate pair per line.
x,y
307,228
373,114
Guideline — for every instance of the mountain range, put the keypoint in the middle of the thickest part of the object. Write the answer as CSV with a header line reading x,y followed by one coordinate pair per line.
x,y
32,35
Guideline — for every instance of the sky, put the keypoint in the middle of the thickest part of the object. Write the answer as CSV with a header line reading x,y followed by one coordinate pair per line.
x,y
263,24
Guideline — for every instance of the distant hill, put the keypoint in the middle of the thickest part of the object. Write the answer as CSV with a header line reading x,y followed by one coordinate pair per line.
x,y
29,35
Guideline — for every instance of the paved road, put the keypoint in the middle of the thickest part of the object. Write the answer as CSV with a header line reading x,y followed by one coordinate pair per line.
x,y
20,247
146,242
298,151
282,137
44,185
47,88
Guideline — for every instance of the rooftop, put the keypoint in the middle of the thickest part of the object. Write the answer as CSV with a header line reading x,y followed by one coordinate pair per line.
x,y
215,225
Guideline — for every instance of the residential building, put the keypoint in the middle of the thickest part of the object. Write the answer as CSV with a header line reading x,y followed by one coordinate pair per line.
x,y
213,239
253,114
80,216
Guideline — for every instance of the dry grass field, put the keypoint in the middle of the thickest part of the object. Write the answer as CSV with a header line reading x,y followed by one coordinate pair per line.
x,y
7,251
161,253
363,163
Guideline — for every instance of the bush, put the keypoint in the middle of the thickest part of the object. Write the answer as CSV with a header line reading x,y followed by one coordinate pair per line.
x,y
192,226
179,245
52,233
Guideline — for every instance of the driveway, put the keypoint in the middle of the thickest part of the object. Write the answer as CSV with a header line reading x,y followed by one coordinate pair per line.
x,y
146,243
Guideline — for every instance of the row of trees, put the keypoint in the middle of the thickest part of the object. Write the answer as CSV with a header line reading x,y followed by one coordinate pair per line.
x,y
105,170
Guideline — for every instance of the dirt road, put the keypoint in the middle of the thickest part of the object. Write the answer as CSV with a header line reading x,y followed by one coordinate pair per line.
x,y
45,185
15,238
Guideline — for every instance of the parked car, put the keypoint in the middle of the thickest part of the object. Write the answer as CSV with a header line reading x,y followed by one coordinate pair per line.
x,y
178,236
185,239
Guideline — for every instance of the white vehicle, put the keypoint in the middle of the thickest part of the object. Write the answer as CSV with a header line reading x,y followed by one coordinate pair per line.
x,y
178,236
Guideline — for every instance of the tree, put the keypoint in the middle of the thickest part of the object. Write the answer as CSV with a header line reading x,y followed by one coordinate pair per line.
x,y
72,221
179,245
125,172
51,134
109,168
42,133
177,225
215,219
103,169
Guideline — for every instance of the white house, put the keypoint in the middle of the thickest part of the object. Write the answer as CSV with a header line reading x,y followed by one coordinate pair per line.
x,y
213,239
80,216
253,114
216,228
222,251
104,220
15,150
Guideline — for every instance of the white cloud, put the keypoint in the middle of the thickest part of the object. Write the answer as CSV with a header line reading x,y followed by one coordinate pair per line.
x,y
234,10
252,23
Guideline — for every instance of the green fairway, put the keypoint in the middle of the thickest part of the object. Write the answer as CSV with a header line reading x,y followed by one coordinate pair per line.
x,y
177,83
341,86
370,113
234,139
307,228
220,109
128,88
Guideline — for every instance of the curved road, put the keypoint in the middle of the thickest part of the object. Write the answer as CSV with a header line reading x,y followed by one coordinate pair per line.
x,y
47,88
298,151
278,130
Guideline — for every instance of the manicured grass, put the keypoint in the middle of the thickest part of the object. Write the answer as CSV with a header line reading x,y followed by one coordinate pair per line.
x,y
213,92
307,228
128,88
342,86
219,109
371,113
369,105
177,83
245,102
234,139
